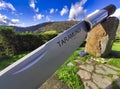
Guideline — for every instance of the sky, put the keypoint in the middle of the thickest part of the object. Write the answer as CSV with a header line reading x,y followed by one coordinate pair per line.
x,y
32,12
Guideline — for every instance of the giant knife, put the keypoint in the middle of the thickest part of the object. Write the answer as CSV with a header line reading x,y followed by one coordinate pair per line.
x,y
31,71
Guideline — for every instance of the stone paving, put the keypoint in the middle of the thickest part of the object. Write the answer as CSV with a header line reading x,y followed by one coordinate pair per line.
x,y
96,75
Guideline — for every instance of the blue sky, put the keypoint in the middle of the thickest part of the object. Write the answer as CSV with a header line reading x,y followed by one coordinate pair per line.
x,y
32,12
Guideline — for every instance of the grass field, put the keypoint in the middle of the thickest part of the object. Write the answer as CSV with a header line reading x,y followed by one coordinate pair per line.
x,y
116,46
115,61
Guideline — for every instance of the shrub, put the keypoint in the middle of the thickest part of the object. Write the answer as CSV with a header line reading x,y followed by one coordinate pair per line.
x,y
6,39
12,43
49,35
27,42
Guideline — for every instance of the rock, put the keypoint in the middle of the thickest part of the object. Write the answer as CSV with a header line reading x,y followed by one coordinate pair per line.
x,y
110,87
90,85
87,67
100,38
70,64
84,75
91,61
101,81
104,70
79,62
117,81
115,77
82,53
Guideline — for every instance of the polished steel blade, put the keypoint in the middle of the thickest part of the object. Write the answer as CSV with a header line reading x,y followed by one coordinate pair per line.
x,y
32,70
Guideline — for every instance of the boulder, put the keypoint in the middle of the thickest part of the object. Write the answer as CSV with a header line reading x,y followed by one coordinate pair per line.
x,y
100,39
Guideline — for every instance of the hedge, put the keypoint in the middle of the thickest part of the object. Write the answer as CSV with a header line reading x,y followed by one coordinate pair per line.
x,y
12,43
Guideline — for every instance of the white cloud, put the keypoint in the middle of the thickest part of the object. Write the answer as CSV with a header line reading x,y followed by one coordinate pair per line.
x,y
38,16
52,10
76,10
3,19
15,21
64,11
48,19
5,5
33,6
117,13
37,10
56,10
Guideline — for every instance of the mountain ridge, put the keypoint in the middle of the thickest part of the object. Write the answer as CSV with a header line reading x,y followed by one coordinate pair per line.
x,y
58,25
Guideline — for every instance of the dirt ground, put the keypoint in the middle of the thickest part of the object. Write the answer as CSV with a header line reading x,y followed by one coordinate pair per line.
x,y
54,83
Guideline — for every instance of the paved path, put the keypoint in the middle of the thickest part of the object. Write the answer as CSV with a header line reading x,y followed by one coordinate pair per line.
x,y
93,74
96,75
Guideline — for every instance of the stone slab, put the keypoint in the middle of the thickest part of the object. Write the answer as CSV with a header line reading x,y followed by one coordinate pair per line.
x,y
101,81
90,85
84,75
87,67
104,70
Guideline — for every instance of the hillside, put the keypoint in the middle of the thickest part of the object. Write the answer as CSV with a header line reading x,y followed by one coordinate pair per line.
x,y
59,26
